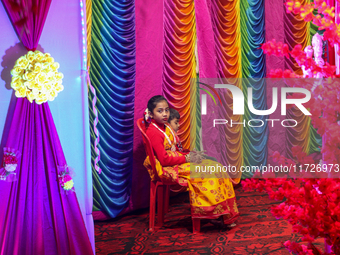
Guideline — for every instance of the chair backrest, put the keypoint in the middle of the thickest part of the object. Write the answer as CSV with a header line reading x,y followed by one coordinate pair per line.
x,y
142,125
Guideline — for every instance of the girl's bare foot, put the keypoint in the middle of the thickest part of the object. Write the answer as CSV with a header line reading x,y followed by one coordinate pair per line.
x,y
231,225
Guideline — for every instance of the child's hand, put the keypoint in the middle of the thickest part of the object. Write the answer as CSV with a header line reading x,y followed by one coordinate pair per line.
x,y
202,154
196,156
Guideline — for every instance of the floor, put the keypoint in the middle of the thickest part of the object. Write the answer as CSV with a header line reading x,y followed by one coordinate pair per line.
x,y
257,231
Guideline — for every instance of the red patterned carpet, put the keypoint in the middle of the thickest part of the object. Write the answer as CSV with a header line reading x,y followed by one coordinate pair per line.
x,y
257,231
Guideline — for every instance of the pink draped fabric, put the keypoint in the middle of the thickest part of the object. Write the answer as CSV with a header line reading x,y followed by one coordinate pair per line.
x,y
207,59
274,18
205,41
39,217
337,21
33,19
149,71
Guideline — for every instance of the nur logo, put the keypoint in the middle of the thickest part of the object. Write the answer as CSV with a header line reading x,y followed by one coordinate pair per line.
x,y
238,99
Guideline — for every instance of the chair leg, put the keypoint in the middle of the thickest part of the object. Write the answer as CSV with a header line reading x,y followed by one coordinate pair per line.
x,y
160,205
196,225
167,199
153,190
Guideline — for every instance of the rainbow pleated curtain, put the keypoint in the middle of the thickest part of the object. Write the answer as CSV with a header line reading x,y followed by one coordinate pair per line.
x,y
112,74
143,48
179,63
304,135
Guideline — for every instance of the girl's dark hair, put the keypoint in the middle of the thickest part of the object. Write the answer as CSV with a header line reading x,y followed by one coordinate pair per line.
x,y
154,101
174,114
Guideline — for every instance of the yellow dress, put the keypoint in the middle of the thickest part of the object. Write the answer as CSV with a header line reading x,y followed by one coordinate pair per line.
x,y
209,197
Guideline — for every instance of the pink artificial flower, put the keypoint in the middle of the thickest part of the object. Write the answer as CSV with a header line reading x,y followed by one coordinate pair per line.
x,y
293,6
275,156
67,178
64,179
277,73
307,12
318,3
274,48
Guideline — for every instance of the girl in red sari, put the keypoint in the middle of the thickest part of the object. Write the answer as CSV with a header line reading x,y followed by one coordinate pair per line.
x,y
210,198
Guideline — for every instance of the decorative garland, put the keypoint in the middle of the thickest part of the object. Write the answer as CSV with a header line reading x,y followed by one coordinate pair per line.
x,y
84,12
95,122
35,76
65,174
10,163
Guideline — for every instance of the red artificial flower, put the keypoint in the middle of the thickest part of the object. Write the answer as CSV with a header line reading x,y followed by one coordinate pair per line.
x,y
317,20
329,70
297,51
273,48
10,159
282,49
312,206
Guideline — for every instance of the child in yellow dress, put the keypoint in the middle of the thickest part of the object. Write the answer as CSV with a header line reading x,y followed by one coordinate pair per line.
x,y
174,123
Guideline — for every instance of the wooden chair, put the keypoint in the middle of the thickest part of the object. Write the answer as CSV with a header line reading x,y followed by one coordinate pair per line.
x,y
158,189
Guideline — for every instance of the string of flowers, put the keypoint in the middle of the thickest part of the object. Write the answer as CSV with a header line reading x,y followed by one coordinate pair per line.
x,y
311,205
